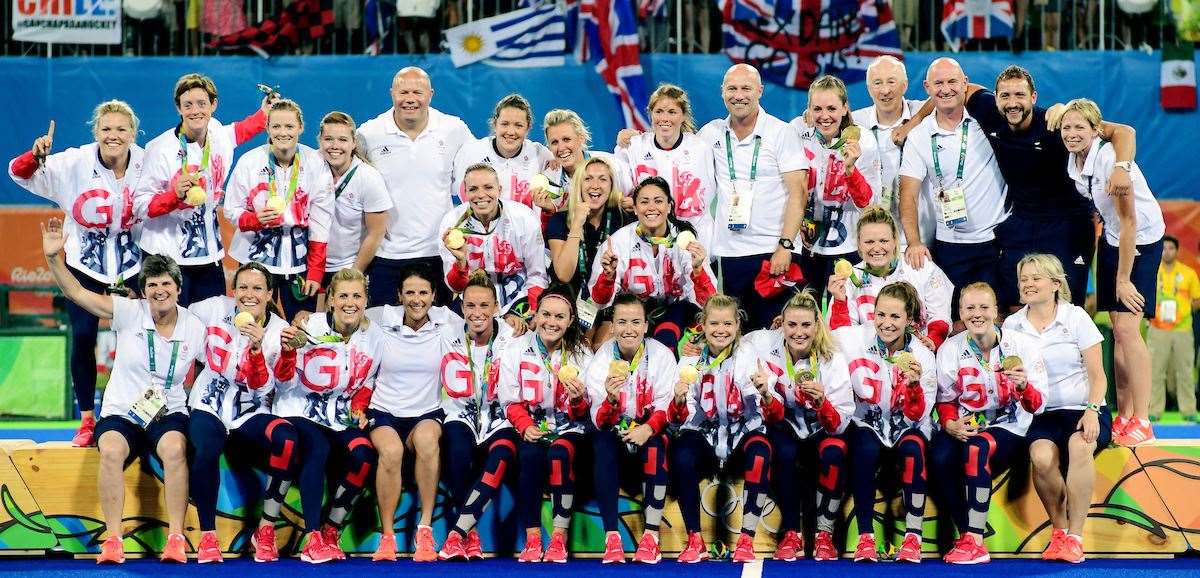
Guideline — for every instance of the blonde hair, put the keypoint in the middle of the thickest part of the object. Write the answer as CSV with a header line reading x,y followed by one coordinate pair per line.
x,y
722,301
822,343
877,215
680,97
286,104
341,118
575,197
835,85
1050,266
513,101
113,106
979,287
347,275
189,81
1086,108
563,116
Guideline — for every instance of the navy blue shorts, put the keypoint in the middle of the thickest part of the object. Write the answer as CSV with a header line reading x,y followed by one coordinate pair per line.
x,y
142,442
966,263
384,280
201,282
1144,276
1058,425
1072,239
402,425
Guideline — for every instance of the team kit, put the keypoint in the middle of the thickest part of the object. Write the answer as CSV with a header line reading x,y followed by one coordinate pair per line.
x,y
811,306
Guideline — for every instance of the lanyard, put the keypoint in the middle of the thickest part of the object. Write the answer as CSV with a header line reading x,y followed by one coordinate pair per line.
x,y
203,156
487,360
637,356
962,154
791,370
292,182
706,355
977,351
342,185
753,159
882,350
665,241
583,261
469,214
544,355
150,354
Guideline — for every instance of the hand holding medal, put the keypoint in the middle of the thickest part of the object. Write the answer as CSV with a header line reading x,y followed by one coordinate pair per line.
x,y
1013,368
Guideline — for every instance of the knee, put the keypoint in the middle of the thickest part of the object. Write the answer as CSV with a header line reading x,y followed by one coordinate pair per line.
x,y
390,454
832,451
172,449
113,454
1044,456
911,447
426,440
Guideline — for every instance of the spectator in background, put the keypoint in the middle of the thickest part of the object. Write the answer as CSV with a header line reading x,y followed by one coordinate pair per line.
x,y
1172,347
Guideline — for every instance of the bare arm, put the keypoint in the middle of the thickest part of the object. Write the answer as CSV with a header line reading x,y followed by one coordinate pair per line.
x,y
564,256
1093,362
796,183
52,242
1123,139
377,224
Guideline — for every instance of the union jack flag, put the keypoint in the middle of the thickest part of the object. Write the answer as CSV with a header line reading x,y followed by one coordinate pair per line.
x,y
611,41
746,9
976,19
838,37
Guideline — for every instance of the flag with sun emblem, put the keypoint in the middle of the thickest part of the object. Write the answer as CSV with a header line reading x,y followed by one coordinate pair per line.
x,y
533,36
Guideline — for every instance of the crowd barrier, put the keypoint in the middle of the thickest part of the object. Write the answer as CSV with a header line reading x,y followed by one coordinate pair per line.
x,y
1143,506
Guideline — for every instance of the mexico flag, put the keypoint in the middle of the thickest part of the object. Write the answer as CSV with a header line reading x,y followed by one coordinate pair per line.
x,y
1178,77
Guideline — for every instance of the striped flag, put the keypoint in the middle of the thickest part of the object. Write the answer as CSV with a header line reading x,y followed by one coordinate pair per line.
x,y
1178,79
838,37
523,38
611,42
976,19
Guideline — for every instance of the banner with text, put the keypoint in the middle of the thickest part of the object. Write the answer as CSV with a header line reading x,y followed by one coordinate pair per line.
x,y
67,21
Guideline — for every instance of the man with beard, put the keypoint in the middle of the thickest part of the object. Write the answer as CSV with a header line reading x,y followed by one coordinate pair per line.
x,y
1048,216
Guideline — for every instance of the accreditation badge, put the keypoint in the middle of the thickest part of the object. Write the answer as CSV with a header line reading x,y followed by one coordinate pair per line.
x,y
586,310
149,407
1168,310
740,203
954,206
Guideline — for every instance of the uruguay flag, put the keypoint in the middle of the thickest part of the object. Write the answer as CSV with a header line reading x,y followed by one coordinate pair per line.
x,y
976,19
524,38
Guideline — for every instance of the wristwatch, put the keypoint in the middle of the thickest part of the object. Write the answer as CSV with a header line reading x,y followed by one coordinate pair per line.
x,y
787,244
1126,166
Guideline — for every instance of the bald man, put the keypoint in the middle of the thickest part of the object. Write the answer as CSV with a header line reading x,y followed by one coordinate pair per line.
x,y
761,174
947,158
413,145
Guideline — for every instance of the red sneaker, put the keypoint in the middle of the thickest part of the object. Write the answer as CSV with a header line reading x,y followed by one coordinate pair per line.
x,y
823,548
473,546
790,547
910,549
695,551
112,551
744,552
614,550
557,550
866,551
386,551
1120,424
648,551
967,550
533,549
1138,432
1072,550
333,540
426,550
174,551
1053,550
315,551
263,541
85,434
453,547
209,549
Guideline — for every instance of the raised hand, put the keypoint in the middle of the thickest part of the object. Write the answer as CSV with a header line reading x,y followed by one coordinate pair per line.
x,y
52,236
43,144
609,261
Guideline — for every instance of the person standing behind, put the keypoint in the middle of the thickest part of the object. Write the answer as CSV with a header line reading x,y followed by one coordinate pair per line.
x,y
948,158
413,145
761,193
183,184
1172,347
360,198
887,82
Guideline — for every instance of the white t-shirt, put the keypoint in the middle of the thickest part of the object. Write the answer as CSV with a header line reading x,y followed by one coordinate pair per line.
x,y
418,174
1092,182
470,378
132,375
647,390
514,173
802,414
283,249
101,226
189,235
329,374
963,379
354,195
409,376
880,164
510,249
982,183
1062,345
688,168
723,404
222,388
780,152
879,386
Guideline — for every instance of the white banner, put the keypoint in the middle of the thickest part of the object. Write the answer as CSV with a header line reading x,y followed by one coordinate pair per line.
x,y
67,21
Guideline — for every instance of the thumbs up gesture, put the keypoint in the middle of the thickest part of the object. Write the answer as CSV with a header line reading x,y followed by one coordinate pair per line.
x,y
43,144
761,379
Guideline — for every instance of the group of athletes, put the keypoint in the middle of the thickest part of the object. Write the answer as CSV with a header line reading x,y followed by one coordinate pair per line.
x,y
805,304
